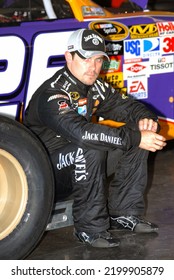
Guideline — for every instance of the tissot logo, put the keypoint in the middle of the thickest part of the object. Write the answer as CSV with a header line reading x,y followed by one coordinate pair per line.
x,y
136,68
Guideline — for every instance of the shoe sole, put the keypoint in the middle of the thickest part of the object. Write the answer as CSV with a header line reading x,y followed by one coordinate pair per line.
x,y
136,230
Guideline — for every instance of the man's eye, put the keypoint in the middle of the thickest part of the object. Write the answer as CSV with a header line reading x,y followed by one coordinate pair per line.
x,y
100,59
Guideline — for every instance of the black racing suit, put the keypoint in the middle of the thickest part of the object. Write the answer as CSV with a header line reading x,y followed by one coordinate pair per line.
x,y
60,114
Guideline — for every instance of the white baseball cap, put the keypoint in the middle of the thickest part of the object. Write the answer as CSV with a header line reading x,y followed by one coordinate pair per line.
x,y
86,43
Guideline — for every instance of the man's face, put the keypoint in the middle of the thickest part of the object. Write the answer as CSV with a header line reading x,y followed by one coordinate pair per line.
x,y
85,70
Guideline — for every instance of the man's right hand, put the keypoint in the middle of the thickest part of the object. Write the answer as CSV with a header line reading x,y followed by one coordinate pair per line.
x,y
151,141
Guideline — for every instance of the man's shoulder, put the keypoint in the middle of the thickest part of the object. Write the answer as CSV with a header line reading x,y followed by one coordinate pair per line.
x,y
104,86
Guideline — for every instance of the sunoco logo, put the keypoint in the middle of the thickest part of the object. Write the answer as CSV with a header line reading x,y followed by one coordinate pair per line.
x,y
111,31
143,31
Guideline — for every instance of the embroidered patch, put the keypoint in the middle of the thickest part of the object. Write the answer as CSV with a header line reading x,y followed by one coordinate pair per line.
x,y
62,105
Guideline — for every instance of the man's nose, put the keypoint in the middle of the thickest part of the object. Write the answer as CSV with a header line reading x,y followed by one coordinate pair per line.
x,y
92,64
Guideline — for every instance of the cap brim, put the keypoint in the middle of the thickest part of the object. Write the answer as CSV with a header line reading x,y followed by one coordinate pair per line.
x,y
87,54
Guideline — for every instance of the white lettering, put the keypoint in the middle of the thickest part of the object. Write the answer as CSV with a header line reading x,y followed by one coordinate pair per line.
x,y
110,139
11,76
90,136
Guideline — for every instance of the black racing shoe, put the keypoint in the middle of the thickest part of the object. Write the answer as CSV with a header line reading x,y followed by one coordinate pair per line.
x,y
132,223
100,240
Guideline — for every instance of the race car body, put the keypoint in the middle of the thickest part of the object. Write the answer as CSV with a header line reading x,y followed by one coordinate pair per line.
x,y
140,46
33,38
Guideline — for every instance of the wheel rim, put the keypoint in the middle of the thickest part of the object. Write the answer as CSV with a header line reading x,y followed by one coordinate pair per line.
x,y
13,193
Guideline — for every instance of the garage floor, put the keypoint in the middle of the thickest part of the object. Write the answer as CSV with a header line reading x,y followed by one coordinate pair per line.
x,y
59,244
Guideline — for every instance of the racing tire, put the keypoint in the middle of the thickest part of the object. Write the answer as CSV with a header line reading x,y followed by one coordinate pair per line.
x,y
26,190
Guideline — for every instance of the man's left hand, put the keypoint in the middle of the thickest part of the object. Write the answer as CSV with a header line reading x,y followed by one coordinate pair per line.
x,y
148,124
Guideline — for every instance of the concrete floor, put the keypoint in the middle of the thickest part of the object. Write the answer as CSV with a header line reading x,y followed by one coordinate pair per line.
x,y
59,244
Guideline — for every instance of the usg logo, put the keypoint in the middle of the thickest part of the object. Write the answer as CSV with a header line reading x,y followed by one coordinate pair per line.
x,y
132,49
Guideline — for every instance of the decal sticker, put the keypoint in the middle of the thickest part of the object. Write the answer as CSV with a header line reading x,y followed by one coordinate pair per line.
x,y
165,28
151,48
143,31
62,105
114,48
133,70
160,65
167,45
92,11
132,49
82,102
137,88
56,96
110,30
115,80
144,48
82,110
74,95
97,102
114,65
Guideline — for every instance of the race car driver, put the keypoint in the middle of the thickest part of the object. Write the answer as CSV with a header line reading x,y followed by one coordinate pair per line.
x,y
81,151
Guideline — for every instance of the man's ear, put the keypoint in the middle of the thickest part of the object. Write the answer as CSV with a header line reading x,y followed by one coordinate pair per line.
x,y
68,56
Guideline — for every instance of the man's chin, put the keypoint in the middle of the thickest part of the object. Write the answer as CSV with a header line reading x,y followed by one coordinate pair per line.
x,y
90,81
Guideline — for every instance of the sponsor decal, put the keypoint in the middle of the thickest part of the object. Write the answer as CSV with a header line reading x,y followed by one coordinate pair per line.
x,y
114,48
82,101
62,105
114,79
168,45
114,65
135,70
56,96
132,60
92,11
110,30
96,103
151,47
77,159
82,110
144,48
74,95
137,88
165,28
160,65
143,31
132,49
102,137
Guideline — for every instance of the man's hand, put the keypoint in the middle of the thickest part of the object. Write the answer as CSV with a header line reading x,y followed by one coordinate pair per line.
x,y
151,141
148,124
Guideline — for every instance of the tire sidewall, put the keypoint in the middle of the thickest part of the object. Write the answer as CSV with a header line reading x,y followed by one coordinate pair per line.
x,y
27,149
